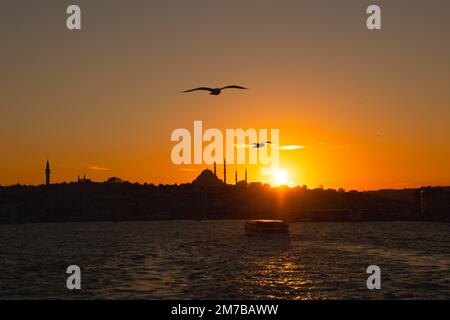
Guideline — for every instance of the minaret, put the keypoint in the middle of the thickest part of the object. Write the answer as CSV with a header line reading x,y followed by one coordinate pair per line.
x,y
235,177
47,173
224,171
246,175
215,173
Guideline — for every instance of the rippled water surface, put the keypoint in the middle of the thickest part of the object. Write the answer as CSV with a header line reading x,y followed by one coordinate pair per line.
x,y
215,260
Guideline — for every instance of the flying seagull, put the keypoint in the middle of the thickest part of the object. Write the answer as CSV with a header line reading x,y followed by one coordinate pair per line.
x,y
262,144
215,91
259,144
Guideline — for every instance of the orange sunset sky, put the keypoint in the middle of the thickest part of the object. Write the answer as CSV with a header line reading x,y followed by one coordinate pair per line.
x,y
372,108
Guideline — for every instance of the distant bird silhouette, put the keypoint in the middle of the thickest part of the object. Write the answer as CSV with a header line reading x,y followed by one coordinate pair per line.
x,y
259,144
215,91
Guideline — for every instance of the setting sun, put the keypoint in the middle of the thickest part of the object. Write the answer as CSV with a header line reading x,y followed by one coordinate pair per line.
x,y
280,177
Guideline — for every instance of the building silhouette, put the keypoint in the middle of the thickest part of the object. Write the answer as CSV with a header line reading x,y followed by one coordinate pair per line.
x,y
47,173
84,179
224,171
434,202
207,179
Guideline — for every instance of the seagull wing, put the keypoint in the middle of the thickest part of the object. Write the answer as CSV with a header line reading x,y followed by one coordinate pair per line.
x,y
200,88
233,87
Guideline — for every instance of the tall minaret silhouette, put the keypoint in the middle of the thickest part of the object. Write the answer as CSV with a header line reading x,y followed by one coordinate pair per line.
x,y
246,175
215,173
47,173
235,176
224,171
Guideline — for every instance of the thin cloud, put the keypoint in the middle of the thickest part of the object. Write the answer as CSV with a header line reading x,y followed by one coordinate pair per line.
x,y
291,147
98,168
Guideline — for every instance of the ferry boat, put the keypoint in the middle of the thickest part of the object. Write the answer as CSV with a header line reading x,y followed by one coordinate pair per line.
x,y
266,227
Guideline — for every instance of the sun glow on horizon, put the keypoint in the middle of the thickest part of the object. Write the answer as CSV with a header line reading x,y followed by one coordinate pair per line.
x,y
280,177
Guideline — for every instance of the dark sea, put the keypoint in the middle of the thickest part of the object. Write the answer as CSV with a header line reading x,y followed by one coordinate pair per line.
x,y
216,260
